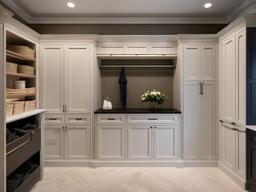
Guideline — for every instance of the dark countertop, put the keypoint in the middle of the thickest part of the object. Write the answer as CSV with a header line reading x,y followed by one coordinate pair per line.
x,y
137,111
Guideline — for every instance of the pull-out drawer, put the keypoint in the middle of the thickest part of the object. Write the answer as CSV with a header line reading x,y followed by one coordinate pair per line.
x,y
153,118
163,49
110,119
18,151
53,119
77,119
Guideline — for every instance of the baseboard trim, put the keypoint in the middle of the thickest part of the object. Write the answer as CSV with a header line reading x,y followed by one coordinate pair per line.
x,y
200,163
123,163
237,179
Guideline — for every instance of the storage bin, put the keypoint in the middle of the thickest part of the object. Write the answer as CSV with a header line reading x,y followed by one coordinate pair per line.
x,y
11,67
30,105
23,50
20,84
31,90
18,107
9,109
26,69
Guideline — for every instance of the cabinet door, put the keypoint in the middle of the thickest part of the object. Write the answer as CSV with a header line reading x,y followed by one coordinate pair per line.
x,y
206,133
222,82
77,142
251,159
163,49
165,142
111,49
52,69
230,80
230,148
111,142
208,63
192,63
53,142
241,78
77,79
192,135
139,142
241,154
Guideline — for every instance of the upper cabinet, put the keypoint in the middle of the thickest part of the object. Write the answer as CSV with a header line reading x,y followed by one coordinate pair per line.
x,y
199,62
77,78
65,78
136,49
52,88
232,84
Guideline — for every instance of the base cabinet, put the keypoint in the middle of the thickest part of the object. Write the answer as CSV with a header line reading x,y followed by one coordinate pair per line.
x,y
251,161
233,150
139,142
137,137
110,142
63,142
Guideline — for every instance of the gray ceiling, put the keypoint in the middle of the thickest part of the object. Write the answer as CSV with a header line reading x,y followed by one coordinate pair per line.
x,y
50,9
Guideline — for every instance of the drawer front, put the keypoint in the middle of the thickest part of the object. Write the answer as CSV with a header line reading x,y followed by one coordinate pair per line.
x,y
77,119
54,119
111,119
153,119
162,49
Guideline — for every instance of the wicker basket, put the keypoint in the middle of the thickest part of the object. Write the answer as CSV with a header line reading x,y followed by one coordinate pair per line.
x,y
18,107
23,50
26,69
30,105
11,67
9,109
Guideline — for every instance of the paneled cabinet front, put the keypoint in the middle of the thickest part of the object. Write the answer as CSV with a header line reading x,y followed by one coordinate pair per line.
x,y
199,62
65,78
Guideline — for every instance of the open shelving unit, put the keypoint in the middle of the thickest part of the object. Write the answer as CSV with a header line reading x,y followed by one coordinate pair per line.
x,y
24,56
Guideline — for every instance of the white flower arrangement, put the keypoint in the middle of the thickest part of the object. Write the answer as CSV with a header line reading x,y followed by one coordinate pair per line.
x,y
153,96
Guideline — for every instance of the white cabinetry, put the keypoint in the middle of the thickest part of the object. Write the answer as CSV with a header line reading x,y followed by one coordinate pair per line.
x,y
232,104
137,137
65,81
199,100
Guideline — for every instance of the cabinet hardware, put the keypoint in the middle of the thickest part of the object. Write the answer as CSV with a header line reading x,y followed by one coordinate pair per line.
x,y
233,123
155,127
78,119
151,127
51,119
111,119
201,86
65,108
221,121
152,119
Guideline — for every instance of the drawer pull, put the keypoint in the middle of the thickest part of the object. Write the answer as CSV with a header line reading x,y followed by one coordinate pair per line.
x,y
52,119
152,119
111,119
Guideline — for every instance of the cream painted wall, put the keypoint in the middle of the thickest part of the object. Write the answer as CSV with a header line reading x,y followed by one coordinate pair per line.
x,y
139,80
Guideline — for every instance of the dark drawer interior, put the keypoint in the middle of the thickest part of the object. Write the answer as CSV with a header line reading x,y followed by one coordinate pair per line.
x,y
21,149
25,176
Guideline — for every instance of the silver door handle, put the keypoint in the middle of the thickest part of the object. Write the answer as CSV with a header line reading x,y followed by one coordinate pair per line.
x,y
201,85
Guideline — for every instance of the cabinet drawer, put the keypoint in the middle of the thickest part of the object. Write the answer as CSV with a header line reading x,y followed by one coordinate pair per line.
x,y
251,137
53,119
111,119
162,49
154,118
77,119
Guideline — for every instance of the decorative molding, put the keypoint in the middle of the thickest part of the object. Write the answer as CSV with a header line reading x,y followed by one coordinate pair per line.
x,y
137,39
70,37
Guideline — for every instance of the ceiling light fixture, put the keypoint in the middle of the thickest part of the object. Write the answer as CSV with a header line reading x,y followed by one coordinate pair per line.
x,y
71,4
207,5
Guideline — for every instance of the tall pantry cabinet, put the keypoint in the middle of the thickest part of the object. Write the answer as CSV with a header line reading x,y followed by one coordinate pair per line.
x,y
199,62
65,77
232,103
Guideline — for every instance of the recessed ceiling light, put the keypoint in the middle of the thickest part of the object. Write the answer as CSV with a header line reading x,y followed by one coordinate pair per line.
x,y
71,4
207,5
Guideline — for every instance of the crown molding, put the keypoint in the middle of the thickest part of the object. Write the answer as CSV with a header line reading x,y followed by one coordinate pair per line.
x,y
247,6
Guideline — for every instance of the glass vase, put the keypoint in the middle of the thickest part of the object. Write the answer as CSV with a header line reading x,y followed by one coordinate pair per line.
x,y
154,105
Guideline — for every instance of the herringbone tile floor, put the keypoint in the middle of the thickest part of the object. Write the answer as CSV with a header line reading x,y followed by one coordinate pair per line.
x,y
135,180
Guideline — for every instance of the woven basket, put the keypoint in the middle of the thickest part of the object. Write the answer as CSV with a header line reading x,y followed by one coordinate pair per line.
x,y
9,109
25,69
23,50
30,105
18,107
11,67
